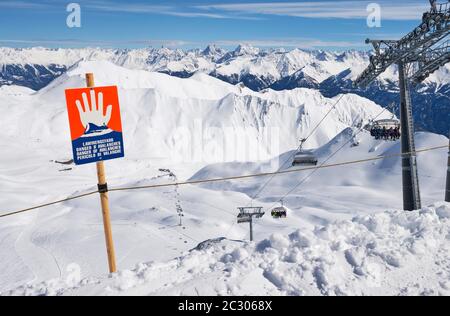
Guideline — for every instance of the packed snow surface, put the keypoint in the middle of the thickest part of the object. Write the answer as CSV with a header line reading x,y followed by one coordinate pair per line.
x,y
390,253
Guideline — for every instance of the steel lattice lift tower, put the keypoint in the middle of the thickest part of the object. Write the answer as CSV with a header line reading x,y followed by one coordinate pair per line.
x,y
419,50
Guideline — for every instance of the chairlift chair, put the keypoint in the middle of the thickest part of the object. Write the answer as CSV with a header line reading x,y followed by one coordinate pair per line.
x,y
304,157
279,212
391,122
387,123
380,129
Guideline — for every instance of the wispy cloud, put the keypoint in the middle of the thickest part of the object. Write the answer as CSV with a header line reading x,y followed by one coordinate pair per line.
x,y
22,5
345,9
180,10
174,43
208,15
391,10
128,8
304,43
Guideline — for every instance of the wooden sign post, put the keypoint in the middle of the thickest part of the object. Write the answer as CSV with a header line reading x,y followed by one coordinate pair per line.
x,y
96,134
104,200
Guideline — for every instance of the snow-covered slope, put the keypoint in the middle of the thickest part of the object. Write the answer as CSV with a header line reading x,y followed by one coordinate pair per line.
x,y
258,69
15,91
163,108
391,253
379,181
58,240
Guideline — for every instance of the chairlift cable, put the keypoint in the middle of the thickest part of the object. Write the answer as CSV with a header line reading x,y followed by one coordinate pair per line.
x,y
298,148
329,157
322,166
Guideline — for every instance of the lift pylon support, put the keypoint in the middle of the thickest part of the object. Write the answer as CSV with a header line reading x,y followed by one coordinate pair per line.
x,y
421,47
246,215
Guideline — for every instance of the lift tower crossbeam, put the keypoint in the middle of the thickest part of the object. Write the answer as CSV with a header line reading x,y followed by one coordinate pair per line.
x,y
431,60
418,46
434,27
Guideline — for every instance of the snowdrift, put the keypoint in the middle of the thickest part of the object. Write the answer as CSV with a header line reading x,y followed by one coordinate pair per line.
x,y
391,253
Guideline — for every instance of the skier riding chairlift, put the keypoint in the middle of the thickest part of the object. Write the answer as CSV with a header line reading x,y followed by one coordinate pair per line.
x,y
279,212
387,129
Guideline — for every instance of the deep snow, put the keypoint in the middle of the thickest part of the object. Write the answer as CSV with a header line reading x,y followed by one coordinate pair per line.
x,y
58,241
390,253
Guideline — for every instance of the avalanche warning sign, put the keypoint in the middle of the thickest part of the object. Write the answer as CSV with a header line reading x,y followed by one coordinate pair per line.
x,y
95,124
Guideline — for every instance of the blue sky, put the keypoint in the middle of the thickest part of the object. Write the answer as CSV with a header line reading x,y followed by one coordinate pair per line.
x,y
312,24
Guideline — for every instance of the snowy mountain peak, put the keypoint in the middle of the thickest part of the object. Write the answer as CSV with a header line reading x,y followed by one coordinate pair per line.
x,y
213,52
330,72
211,49
245,49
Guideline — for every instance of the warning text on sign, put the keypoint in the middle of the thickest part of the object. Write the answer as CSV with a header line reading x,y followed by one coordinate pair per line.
x,y
99,148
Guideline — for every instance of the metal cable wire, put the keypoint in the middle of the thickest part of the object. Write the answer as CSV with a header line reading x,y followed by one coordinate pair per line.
x,y
291,157
326,160
323,166
295,152
48,204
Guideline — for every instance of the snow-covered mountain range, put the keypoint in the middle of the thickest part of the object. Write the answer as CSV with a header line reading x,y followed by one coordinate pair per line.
x,y
161,115
330,72
170,111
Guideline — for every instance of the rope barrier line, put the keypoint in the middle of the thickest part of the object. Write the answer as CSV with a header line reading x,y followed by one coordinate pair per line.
x,y
49,204
154,186
265,174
